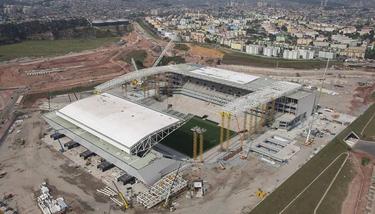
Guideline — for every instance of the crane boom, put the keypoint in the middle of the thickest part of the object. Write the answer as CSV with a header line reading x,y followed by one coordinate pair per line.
x,y
316,103
171,187
134,65
162,54
122,197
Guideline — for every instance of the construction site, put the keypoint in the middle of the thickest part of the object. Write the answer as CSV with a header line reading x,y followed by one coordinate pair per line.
x,y
161,126
188,138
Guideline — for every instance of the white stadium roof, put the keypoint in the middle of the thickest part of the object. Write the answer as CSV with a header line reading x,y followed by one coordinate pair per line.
x,y
115,120
222,74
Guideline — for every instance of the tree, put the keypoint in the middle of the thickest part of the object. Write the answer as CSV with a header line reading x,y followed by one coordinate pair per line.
x,y
370,53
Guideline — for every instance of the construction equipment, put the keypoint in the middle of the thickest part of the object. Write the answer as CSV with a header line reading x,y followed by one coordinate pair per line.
x,y
136,82
134,64
162,54
308,141
121,196
260,193
167,201
88,161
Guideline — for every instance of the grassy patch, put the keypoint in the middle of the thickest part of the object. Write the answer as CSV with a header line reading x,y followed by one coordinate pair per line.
x,y
139,57
51,47
237,58
332,203
278,199
310,198
181,47
148,28
360,123
175,59
182,139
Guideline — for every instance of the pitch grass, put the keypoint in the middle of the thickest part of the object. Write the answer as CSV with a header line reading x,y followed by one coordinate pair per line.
x,y
278,199
237,58
182,139
42,48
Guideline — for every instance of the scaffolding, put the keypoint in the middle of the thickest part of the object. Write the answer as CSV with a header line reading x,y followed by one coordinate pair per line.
x,y
198,131
225,116
159,191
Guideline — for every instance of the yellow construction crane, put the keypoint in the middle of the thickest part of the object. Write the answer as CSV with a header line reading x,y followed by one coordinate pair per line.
x,y
122,197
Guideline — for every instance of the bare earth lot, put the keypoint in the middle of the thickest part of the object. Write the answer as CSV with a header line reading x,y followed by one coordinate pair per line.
x,y
29,164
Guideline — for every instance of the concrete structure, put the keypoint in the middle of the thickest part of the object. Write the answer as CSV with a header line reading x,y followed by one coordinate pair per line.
x,y
306,54
237,46
271,51
123,132
254,49
354,52
326,55
297,106
290,54
276,148
148,169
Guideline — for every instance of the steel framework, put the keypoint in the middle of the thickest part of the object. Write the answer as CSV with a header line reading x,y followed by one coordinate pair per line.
x,y
262,96
160,190
146,143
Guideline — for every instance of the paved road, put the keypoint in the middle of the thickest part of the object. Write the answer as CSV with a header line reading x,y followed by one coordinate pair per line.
x,y
365,146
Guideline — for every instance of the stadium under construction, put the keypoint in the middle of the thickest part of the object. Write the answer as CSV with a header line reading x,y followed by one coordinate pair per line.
x,y
150,121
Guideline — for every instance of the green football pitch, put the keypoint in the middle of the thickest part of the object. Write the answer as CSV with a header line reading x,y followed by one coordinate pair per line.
x,y
182,139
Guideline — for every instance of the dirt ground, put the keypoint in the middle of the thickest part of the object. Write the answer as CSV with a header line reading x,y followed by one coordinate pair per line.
x,y
5,97
356,200
78,69
30,163
208,52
